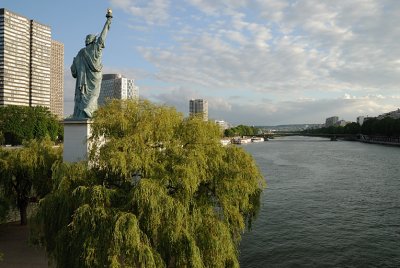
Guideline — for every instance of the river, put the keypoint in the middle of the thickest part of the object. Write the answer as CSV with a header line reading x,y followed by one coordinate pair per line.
x,y
327,204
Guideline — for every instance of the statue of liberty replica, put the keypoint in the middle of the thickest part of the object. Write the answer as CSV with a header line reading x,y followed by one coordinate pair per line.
x,y
86,68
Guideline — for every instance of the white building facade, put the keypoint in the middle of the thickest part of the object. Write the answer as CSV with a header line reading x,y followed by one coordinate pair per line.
x,y
360,120
116,86
331,121
57,79
14,59
40,51
198,107
222,124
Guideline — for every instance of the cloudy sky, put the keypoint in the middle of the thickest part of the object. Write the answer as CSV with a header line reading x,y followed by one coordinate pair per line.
x,y
257,62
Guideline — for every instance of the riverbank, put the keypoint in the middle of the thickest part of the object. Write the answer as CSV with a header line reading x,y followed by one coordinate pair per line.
x,y
392,141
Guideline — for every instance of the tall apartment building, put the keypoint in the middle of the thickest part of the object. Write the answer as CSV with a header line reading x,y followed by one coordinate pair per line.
x,y
116,86
198,106
25,61
14,59
331,121
40,51
57,79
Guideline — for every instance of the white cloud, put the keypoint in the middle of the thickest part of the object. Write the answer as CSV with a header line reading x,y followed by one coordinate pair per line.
x,y
151,11
237,110
284,48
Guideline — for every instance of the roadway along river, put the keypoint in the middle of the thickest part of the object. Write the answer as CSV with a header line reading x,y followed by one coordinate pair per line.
x,y
327,204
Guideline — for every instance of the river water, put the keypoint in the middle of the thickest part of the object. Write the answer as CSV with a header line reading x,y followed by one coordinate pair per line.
x,y
327,204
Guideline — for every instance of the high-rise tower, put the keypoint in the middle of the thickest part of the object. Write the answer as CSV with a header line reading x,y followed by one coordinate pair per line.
x,y
40,50
14,59
116,86
57,79
331,121
25,61
199,107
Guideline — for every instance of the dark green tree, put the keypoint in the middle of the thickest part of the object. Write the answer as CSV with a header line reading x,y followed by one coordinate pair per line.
x,y
241,130
19,123
387,126
352,128
159,191
2,139
4,207
381,127
26,173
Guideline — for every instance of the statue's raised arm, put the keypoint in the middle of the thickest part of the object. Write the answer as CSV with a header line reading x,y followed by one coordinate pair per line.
x,y
86,68
103,35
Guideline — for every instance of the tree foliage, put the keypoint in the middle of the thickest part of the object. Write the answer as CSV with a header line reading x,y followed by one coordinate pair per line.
x,y
385,127
241,130
352,128
19,123
4,207
160,192
382,127
25,173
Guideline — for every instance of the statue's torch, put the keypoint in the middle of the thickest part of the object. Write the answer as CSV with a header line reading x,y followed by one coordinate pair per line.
x,y
109,13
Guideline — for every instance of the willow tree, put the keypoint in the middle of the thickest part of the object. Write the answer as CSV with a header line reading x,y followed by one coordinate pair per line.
x,y
159,191
25,173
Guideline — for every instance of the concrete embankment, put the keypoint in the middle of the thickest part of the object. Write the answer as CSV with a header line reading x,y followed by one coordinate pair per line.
x,y
381,142
392,141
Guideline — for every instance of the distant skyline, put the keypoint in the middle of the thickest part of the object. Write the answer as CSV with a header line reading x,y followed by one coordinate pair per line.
x,y
257,62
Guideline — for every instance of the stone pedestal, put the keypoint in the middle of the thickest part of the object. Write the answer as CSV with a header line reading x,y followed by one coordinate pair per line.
x,y
76,135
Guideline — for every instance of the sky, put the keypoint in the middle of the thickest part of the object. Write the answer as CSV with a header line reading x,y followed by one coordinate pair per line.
x,y
257,62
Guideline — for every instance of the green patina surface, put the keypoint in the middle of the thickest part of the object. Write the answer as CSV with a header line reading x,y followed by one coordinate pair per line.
x,y
87,69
